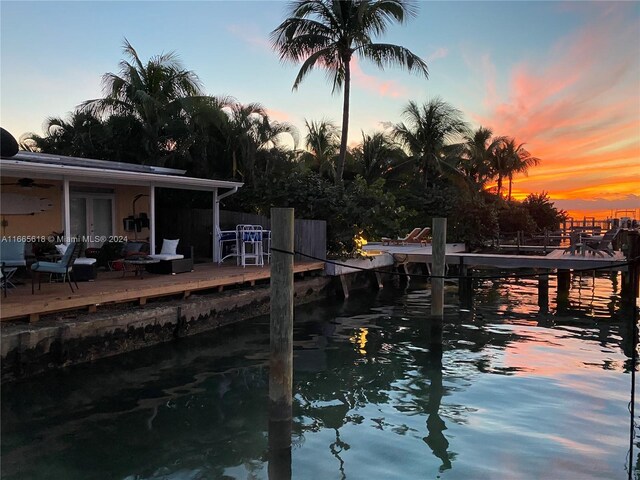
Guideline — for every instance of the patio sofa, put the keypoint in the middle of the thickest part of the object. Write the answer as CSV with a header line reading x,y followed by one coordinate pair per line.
x,y
170,264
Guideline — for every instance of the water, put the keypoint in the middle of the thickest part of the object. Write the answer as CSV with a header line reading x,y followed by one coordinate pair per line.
x,y
507,393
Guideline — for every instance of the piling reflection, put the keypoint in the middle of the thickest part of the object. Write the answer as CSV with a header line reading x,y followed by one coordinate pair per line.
x,y
435,425
279,445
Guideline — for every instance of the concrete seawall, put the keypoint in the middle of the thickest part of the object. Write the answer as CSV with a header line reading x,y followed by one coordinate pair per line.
x,y
32,348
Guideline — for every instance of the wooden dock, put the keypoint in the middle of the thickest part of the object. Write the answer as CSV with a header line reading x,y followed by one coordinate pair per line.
x,y
113,287
556,259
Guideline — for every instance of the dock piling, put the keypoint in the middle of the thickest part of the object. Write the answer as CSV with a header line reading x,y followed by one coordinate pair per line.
x,y
631,278
281,343
439,239
543,292
564,281
465,285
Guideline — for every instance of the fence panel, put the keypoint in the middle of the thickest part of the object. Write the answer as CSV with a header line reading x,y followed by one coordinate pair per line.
x,y
195,227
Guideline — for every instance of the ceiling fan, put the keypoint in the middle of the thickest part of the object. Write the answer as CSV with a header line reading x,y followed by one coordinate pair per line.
x,y
29,183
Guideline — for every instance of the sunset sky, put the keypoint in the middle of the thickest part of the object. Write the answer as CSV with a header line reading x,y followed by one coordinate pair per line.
x,y
561,77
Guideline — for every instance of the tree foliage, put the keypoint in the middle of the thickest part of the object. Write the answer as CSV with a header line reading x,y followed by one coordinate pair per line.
x,y
429,165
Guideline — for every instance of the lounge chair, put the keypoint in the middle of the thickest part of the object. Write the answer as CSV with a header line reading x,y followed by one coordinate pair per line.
x,y
423,236
402,240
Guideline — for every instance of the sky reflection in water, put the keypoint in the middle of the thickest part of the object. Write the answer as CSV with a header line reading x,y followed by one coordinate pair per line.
x,y
381,392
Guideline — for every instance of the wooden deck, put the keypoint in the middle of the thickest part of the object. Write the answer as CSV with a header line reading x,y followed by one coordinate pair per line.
x,y
113,287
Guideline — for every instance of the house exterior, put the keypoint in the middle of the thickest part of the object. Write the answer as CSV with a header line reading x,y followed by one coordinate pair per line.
x,y
94,200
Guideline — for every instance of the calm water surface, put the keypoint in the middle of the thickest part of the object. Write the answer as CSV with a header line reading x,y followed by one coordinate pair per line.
x,y
380,392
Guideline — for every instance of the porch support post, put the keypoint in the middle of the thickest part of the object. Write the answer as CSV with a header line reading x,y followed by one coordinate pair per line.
x,y
215,227
67,210
152,219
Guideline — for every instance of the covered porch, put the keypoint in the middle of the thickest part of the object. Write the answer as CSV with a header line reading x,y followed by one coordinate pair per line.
x,y
94,200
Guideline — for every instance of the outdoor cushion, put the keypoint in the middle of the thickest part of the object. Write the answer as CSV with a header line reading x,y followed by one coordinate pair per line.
x,y
12,254
61,248
85,261
166,256
169,247
49,267
132,248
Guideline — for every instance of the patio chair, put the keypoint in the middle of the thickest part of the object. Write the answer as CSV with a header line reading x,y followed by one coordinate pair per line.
x,y
603,245
227,239
63,267
575,243
11,258
402,240
250,243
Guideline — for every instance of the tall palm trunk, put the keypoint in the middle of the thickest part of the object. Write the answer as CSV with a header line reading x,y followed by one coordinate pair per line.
x,y
510,184
234,165
345,121
499,184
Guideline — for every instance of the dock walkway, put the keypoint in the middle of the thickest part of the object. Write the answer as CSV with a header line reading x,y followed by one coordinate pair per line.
x,y
556,259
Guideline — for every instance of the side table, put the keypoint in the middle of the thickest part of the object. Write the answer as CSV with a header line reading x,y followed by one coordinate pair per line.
x,y
136,265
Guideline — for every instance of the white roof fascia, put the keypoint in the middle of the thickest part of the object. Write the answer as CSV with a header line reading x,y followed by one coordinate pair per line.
x,y
119,177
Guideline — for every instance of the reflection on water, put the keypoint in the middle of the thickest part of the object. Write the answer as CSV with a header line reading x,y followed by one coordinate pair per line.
x,y
380,391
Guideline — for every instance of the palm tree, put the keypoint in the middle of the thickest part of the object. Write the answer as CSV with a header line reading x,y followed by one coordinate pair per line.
x,y
250,130
243,121
322,147
478,156
269,140
431,135
377,155
81,134
152,93
518,159
203,139
328,33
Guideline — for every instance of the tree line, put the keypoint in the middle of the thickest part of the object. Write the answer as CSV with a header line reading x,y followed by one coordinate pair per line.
x,y
432,163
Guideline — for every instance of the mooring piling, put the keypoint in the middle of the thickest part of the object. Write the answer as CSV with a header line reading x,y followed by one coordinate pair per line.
x,y
439,240
281,344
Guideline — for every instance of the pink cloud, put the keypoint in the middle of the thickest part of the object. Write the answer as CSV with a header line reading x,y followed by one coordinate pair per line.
x,y
370,83
250,35
441,52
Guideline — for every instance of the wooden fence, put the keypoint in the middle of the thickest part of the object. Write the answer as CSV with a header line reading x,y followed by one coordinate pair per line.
x,y
195,227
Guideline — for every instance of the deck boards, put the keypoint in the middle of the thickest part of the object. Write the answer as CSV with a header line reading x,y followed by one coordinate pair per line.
x,y
113,287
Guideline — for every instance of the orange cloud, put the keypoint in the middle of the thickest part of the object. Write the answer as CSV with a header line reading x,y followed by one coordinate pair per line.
x,y
578,112
278,115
